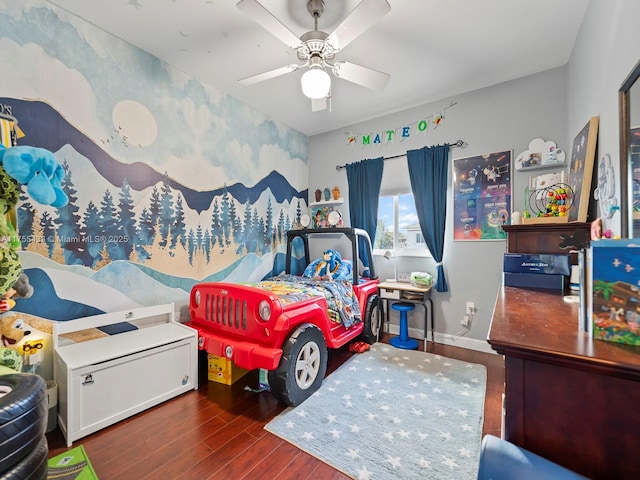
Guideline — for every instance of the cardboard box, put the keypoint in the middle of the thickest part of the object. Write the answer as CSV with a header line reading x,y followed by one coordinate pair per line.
x,y
614,296
540,263
223,370
534,280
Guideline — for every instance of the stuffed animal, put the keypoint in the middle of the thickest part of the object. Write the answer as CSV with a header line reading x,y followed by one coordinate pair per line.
x,y
328,266
39,170
10,266
10,361
13,330
21,289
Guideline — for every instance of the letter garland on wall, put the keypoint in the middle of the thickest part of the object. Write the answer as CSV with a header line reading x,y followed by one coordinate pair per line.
x,y
390,135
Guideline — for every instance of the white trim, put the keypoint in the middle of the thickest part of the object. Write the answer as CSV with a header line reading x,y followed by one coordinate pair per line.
x,y
448,339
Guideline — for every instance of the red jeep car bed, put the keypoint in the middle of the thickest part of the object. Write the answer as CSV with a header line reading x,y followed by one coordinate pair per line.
x,y
285,324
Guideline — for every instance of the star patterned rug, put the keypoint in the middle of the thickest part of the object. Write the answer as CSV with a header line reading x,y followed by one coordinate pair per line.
x,y
393,414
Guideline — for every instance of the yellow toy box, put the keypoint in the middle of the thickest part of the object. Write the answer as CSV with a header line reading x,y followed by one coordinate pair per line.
x,y
223,370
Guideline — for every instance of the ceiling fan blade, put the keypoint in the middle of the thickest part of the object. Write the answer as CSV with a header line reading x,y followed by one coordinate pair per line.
x,y
367,77
263,17
318,104
260,77
366,13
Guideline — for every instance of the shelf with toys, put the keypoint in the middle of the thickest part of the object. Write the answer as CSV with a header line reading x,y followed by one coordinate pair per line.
x,y
328,203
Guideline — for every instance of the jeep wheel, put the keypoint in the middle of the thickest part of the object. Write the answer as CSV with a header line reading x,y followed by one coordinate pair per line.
x,y
302,366
373,320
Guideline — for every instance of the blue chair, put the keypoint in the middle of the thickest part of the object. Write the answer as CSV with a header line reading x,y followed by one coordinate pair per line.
x,y
502,460
403,341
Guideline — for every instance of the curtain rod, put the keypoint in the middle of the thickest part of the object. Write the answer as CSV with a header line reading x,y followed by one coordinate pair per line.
x,y
459,143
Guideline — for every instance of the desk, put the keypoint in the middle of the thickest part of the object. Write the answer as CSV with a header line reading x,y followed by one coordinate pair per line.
x,y
405,292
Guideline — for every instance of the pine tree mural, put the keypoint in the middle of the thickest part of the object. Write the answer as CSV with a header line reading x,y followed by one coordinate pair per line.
x,y
225,219
26,214
126,221
109,228
191,245
68,223
268,228
166,219
48,231
37,245
146,228
103,257
92,231
179,226
281,227
216,227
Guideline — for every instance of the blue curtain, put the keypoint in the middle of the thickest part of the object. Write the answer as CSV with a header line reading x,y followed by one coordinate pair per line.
x,y
364,179
428,168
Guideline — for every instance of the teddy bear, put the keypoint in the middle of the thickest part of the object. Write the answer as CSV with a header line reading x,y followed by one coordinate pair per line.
x,y
12,331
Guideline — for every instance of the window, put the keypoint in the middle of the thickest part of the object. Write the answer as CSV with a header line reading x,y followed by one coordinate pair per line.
x,y
398,228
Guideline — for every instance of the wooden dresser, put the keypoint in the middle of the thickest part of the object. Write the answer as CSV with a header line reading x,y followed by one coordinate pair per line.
x,y
568,398
548,238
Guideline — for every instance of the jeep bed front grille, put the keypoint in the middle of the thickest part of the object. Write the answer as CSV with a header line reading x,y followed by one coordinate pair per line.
x,y
227,311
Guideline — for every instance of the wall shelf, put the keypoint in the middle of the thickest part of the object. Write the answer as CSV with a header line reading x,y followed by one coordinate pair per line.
x,y
328,203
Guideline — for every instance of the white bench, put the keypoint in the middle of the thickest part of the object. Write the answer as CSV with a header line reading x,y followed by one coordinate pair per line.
x,y
108,379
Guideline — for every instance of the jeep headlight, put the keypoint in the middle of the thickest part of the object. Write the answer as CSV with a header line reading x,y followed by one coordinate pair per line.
x,y
264,310
196,298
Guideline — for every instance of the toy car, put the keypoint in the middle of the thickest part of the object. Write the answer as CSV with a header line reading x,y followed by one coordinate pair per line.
x,y
287,329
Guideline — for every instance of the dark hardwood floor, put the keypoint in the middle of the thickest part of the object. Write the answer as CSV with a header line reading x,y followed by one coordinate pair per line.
x,y
217,432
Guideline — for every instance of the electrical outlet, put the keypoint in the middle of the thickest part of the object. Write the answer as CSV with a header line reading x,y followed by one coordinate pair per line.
x,y
466,320
471,308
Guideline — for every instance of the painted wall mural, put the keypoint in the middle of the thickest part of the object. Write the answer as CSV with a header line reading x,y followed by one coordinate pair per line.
x,y
170,181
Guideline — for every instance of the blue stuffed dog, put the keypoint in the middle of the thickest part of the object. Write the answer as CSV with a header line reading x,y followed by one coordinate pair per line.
x,y
39,170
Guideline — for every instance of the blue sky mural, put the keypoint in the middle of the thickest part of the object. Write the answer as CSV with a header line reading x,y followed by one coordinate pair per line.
x,y
146,144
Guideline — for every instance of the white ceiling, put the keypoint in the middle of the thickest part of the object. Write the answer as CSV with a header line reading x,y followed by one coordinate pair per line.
x,y
433,49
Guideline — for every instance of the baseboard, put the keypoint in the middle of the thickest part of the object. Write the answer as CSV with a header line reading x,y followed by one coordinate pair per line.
x,y
448,339
463,342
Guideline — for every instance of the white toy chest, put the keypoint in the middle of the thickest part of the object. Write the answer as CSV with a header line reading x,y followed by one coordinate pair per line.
x,y
108,379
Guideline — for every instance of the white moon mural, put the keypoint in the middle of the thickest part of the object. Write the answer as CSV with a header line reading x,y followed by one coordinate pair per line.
x,y
135,123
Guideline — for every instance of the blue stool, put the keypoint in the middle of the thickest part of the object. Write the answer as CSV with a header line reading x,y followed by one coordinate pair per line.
x,y
403,341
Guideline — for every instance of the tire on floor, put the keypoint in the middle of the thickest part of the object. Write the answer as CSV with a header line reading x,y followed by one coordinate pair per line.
x,y
23,417
32,467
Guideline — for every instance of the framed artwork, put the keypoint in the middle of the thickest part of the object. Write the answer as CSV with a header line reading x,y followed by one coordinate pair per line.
x,y
583,154
482,196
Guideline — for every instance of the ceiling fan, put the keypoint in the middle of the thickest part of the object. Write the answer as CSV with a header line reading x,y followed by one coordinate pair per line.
x,y
317,49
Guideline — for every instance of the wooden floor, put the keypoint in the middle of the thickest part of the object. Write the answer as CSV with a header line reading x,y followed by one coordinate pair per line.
x,y
217,432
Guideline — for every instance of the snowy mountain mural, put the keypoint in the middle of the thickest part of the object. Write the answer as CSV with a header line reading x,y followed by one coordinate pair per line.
x,y
170,181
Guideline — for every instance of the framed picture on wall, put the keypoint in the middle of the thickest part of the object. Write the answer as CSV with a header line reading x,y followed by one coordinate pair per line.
x,y
482,196
583,155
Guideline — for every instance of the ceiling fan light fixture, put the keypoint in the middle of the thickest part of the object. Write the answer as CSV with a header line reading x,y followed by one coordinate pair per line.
x,y
315,83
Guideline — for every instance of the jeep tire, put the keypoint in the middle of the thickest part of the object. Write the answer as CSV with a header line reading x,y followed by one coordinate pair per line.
x,y
373,319
302,367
